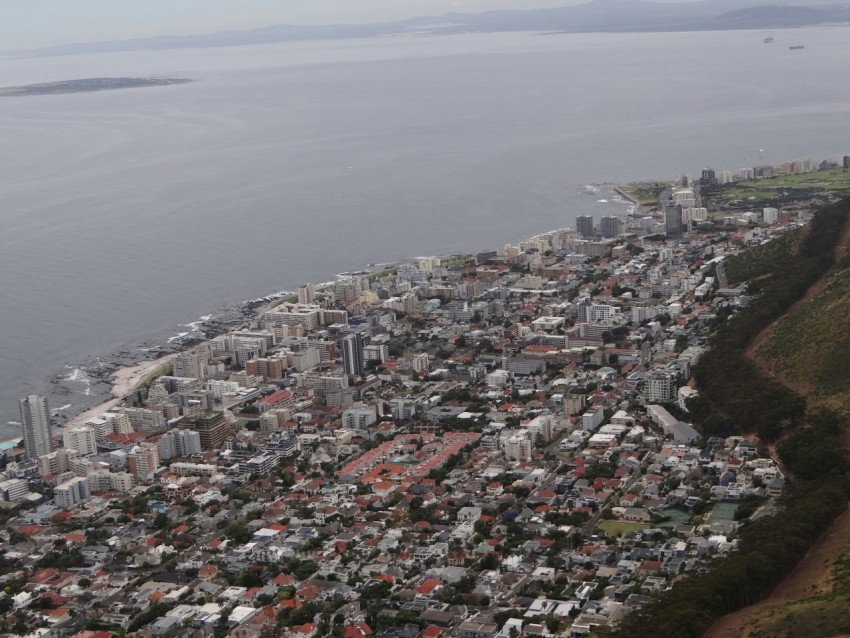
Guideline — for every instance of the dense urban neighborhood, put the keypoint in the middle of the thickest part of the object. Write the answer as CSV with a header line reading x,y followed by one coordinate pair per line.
x,y
491,445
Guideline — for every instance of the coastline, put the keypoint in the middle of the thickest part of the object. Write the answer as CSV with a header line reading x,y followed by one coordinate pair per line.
x,y
628,197
124,381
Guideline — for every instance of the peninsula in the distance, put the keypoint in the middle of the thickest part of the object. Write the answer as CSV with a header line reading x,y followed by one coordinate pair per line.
x,y
593,16
87,85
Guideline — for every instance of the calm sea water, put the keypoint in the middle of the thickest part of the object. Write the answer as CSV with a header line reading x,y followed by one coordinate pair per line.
x,y
125,214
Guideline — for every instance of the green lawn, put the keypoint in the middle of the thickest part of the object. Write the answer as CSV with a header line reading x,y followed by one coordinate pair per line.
x,y
646,193
722,512
621,528
836,179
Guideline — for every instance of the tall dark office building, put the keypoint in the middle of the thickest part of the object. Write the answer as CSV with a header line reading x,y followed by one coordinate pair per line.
x,y
213,429
352,354
584,225
609,226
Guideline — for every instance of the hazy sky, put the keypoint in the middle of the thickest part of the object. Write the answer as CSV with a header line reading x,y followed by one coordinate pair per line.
x,y
35,23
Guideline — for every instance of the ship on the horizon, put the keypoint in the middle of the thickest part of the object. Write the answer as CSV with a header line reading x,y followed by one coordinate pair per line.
x,y
796,47
768,40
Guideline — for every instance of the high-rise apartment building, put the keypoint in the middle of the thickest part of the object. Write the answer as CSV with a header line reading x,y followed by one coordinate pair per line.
x,y
307,315
145,420
609,226
71,493
179,444
143,461
420,362
348,288
35,420
352,354
191,364
661,387
269,368
306,294
212,428
584,225
770,215
379,352
82,439
53,464
518,447
359,416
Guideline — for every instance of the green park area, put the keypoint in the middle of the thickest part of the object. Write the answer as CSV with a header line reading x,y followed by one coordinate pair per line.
x,y
644,193
722,512
613,529
835,180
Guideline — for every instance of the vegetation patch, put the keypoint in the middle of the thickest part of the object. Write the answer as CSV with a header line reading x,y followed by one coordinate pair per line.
x,y
644,193
735,396
614,529
763,260
810,348
784,189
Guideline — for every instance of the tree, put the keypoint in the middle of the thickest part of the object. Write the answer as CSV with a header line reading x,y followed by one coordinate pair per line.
x,y
304,570
238,533
251,577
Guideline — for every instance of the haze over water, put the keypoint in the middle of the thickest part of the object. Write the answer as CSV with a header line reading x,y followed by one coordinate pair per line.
x,y
125,214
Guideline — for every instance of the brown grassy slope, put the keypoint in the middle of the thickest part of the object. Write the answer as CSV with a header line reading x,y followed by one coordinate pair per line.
x,y
807,349
813,602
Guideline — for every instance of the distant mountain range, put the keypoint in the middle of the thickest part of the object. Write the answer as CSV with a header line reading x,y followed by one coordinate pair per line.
x,y
595,16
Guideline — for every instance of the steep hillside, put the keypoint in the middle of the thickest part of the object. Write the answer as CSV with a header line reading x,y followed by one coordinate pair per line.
x,y
809,348
738,395
756,264
813,602
806,349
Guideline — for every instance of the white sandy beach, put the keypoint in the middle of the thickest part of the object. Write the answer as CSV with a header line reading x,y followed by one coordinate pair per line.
x,y
123,382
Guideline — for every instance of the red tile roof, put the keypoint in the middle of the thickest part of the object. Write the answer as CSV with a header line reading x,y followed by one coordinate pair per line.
x,y
428,586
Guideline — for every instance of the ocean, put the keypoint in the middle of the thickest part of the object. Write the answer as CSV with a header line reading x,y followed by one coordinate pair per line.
x,y
126,216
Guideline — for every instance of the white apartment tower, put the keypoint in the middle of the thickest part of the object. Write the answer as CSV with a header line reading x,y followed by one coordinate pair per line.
x,y
770,215
359,416
179,444
518,447
190,364
72,492
35,420
661,387
420,362
82,439
307,294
